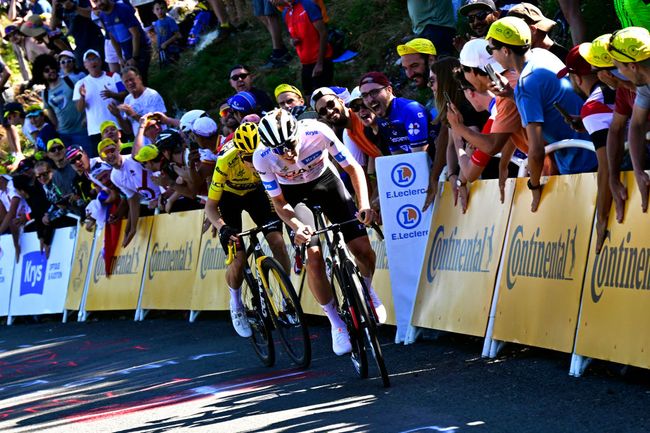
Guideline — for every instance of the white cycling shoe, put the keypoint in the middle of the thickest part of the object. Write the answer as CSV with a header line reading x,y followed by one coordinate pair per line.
x,y
379,307
341,341
240,322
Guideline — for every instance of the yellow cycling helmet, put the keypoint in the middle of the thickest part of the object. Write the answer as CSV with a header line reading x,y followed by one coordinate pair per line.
x,y
246,138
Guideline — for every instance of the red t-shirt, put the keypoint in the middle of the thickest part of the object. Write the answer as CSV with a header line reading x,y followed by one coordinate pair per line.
x,y
299,18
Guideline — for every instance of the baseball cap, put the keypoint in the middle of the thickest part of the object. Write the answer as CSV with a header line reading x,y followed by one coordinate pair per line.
x,y
188,119
89,52
9,30
99,168
575,64
471,5
355,95
204,127
13,107
319,93
374,77
474,55
65,53
54,142
286,88
417,46
630,45
244,102
104,144
595,52
72,152
511,31
532,14
341,92
33,26
147,153
34,110
105,124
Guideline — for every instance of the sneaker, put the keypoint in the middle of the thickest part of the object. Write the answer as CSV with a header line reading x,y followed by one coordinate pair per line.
x,y
276,62
379,307
240,322
341,341
223,33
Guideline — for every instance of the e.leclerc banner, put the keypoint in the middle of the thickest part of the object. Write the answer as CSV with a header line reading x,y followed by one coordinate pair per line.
x,y
545,261
7,263
616,297
462,258
41,285
403,181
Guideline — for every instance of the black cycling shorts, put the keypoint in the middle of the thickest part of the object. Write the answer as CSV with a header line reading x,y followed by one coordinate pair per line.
x,y
258,206
330,194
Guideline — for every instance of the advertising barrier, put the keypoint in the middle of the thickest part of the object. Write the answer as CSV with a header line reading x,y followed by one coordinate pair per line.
x,y
402,181
40,284
614,321
172,261
544,263
462,258
79,269
122,290
7,264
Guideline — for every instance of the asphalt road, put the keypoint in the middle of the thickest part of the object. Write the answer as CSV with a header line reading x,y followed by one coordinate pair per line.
x,y
167,375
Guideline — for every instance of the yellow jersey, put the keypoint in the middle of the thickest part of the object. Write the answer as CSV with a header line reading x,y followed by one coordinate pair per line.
x,y
232,174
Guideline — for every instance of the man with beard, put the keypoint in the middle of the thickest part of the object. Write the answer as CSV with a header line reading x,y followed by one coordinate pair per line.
x,y
416,57
480,15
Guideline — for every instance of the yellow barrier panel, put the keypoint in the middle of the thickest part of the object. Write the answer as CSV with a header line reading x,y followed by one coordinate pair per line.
x,y
615,299
79,271
462,259
545,261
122,290
172,261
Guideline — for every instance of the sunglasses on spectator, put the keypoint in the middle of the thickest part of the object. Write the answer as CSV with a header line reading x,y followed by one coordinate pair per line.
x,y
225,112
76,159
56,149
479,16
66,61
247,158
492,48
356,106
373,93
611,47
241,76
329,105
43,175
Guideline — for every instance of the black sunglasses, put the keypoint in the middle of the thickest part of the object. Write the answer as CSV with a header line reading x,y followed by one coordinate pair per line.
x,y
56,149
241,76
479,16
329,105
76,159
357,106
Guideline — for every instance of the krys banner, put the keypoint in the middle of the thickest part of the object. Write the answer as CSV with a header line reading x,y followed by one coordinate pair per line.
x,y
462,258
7,263
544,263
616,296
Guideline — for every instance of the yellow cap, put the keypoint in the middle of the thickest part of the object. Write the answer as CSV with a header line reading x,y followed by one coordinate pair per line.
x,y
511,31
105,124
104,144
53,142
147,153
595,52
286,88
417,46
630,45
125,146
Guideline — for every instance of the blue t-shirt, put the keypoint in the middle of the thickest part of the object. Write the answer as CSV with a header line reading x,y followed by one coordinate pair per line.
x,y
59,100
406,127
85,33
165,29
118,23
537,89
41,7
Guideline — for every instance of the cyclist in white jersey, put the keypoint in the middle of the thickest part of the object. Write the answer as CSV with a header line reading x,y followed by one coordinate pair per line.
x,y
297,173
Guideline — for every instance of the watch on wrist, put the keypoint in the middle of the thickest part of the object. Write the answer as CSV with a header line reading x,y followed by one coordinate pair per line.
x,y
460,183
533,187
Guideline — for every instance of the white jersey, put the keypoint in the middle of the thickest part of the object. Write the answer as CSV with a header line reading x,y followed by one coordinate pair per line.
x,y
315,141
7,195
133,179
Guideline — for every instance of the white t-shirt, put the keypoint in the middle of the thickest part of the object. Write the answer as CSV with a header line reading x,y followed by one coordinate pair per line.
x,y
97,211
132,179
7,195
149,102
316,140
357,153
96,106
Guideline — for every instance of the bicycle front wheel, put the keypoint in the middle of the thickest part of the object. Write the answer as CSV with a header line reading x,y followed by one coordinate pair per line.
x,y
258,317
287,313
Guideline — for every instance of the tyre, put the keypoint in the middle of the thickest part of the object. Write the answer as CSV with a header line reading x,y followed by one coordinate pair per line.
x,y
287,313
369,324
259,320
350,315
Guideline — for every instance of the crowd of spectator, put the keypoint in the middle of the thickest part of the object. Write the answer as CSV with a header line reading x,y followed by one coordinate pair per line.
x,y
92,142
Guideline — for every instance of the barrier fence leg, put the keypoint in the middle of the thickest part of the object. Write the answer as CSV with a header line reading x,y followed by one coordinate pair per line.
x,y
579,364
139,312
193,315
82,315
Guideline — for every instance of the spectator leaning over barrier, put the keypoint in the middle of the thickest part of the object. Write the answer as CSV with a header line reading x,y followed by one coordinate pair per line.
x,y
596,115
236,187
98,211
241,79
630,51
132,179
416,56
537,90
63,175
94,93
13,209
206,135
33,192
540,27
82,187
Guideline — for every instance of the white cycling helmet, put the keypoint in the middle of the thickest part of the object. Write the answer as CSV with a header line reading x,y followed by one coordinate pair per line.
x,y
277,127
188,119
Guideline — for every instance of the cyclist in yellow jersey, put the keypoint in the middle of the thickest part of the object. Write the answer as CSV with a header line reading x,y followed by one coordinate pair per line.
x,y
236,187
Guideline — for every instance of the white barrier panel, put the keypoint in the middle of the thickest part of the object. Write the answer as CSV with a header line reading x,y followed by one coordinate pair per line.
x,y
40,284
403,182
7,262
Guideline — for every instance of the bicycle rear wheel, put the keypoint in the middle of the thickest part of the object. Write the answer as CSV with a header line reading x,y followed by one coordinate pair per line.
x,y
369,324
258,318
287,313
350,314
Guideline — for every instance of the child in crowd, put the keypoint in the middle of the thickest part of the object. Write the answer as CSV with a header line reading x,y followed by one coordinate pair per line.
x,y
167,34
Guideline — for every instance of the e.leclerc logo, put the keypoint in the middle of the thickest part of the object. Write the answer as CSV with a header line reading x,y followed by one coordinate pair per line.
x,y
403,175
408,216
33,273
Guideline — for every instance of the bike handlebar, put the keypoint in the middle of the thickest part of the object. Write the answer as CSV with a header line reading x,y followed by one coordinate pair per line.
x,y
232,247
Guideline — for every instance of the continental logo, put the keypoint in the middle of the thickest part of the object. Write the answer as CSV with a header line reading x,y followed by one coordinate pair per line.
x,y
167,260
620,267
532,257
81,263
212,259
451,253
126,264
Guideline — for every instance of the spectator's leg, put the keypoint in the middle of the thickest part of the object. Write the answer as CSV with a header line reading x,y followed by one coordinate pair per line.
x,y
110,57
326,78
12,139
573,15
224,22
306,80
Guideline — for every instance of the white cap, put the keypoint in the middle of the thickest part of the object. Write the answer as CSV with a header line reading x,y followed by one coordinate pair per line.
x,y
356,94
188,119
474,55
89,52
319,93
204,127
